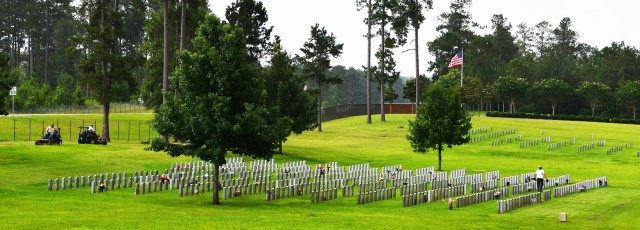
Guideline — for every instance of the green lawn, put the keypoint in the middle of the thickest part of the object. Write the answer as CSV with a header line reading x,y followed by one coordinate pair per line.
x,y
25,202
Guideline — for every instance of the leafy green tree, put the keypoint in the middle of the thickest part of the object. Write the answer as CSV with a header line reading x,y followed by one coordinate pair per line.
x,y
7,80
629,94
615,63
33,94
221,103
552,90
390,94
510,89
251,16
63,94
472,92
316,61
595,93
285,90
105,64
78,96
521,67
441,121
451,79
409,89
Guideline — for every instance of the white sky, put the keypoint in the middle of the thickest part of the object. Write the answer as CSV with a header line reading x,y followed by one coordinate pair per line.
x,y
597,22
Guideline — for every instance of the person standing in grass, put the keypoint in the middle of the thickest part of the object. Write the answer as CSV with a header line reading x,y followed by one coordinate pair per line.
x,y
540,176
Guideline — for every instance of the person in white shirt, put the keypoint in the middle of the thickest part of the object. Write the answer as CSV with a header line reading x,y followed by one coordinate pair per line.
x,y
91,128
540,176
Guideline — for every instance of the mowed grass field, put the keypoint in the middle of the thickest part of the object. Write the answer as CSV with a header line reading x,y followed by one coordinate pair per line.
x,y
25,202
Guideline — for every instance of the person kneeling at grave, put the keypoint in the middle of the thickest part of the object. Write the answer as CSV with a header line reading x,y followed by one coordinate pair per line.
x,y
102,186
496,195
163,179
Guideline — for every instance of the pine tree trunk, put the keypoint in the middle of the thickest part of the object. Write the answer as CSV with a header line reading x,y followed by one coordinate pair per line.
x,y
165,58
382,73
415,29
183,21
165,51
319,108
369,64
46,43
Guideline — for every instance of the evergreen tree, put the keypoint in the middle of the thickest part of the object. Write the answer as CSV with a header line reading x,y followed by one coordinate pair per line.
x,y
411,13
316,61
285,91
455,31
152,47
105,63
251,16
362,4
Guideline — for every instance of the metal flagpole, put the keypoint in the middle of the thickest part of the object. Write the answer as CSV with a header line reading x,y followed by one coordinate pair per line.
x,y
462,68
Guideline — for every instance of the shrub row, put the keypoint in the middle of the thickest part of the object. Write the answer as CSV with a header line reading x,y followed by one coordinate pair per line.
x,y
563,117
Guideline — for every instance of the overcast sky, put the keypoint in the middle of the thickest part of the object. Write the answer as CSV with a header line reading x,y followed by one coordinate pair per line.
x,y
597,22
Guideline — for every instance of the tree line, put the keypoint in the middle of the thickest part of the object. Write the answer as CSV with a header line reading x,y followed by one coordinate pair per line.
x,y
538,68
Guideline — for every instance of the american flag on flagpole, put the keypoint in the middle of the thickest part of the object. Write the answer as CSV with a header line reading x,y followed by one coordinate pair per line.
x,y
456,60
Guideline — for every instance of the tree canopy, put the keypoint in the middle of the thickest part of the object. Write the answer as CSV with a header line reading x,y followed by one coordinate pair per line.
x,y
221,105
441,121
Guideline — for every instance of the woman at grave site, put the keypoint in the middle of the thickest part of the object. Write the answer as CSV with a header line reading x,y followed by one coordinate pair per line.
x,y
450,203
268,198
102,186
540,176
164,178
